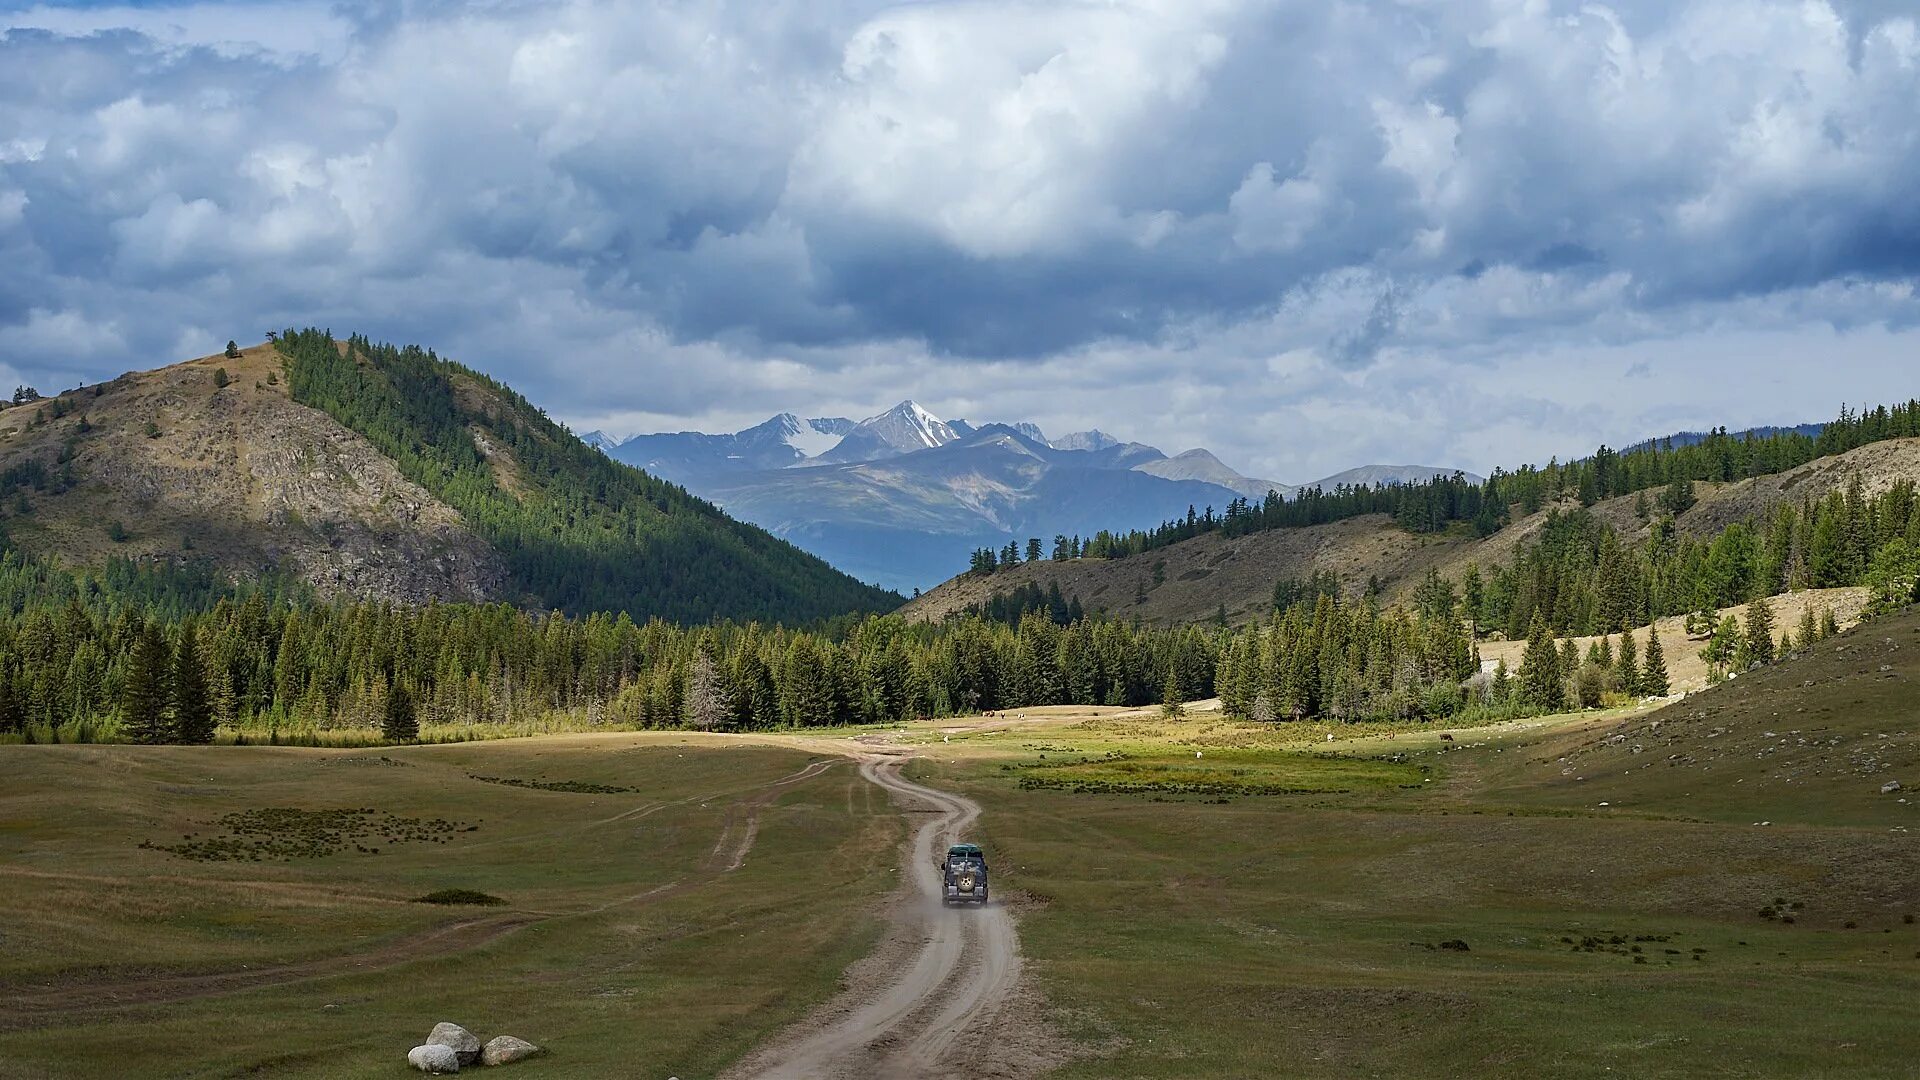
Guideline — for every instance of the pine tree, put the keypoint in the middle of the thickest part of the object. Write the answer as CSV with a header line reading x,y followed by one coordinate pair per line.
x,y
192,710
1628,665
1170,703
1542,682
144,690
1760,632
400,721
1653,676
1809,630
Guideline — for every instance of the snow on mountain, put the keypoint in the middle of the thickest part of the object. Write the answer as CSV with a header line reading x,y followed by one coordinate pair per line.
x,y
600,441
903,429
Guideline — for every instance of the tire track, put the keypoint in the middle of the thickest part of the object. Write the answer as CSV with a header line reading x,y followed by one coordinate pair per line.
x,y
952,971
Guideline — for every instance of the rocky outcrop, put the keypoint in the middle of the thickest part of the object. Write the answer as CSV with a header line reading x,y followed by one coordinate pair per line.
x,y
243,476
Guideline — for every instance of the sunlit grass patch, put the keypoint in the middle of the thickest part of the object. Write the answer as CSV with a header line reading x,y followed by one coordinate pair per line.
x,y
1244,773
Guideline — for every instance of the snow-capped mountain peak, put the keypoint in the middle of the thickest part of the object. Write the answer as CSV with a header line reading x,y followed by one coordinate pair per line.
x,y
908,427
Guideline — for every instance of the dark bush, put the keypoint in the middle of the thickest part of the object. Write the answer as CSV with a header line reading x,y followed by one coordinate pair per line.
x,y
460,896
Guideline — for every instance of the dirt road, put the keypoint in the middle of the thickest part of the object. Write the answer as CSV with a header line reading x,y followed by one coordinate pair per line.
x,y
944,976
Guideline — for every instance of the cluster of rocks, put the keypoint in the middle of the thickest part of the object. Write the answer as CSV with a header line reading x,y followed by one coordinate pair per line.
x,y
452,1047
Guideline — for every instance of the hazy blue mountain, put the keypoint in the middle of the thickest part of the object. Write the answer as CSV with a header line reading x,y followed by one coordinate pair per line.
x,y
1201,465
1692,438
1369,475
691,458
912,519
1094,439
903,497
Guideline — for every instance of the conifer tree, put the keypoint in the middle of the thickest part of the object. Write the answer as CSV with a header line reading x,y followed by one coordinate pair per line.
x,y
1809,630
400,721
1170,703
192,710
144,690
1653,676
1760,632
1541,679
1628,665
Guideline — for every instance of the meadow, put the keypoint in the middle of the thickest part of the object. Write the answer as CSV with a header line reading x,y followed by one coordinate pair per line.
x,y
1717,887
222,910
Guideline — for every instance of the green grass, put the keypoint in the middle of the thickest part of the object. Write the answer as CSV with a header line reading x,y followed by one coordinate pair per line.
x,y
611,980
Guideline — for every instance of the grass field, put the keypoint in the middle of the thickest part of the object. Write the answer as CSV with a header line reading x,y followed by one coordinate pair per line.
x,y
1718,888
1624,910
625,945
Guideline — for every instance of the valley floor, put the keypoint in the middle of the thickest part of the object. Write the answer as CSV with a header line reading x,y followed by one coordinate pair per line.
x,y
1716,888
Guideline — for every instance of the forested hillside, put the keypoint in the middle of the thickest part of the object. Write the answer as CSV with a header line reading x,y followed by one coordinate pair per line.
x,y
1442,501
577,531
1662,551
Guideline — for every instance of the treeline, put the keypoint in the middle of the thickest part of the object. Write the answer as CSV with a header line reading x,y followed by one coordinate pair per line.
x,y
578,531
1442,502
118,667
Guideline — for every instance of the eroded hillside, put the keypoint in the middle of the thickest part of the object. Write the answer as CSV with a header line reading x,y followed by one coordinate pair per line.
x,y
1194,579
169,463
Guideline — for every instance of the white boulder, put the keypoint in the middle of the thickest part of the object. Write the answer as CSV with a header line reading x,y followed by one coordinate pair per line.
x,y
505,1050
434,1058
464,1044
1889,787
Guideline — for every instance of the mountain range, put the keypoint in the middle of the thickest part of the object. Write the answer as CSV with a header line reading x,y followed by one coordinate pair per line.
x,y
902,497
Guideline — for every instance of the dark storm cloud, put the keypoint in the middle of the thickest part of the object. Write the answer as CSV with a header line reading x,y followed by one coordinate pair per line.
x,y
716,208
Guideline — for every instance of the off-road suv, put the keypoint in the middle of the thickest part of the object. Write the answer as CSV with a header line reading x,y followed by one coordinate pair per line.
x,y
963,875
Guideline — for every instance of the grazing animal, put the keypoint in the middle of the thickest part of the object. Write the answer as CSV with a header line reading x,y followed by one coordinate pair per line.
x,y
1444,737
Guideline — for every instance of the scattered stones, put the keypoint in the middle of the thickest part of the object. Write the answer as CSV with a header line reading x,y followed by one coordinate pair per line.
x,y
505,1050
451,1047
434,1058
463,1042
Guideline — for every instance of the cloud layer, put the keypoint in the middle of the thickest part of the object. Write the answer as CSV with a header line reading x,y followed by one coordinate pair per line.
x,y
1304,234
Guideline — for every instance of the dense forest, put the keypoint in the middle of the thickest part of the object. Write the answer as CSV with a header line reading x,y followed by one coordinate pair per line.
x,y
105,656
1442,502
579,532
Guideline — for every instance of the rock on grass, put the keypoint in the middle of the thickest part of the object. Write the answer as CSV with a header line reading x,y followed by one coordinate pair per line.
x,y
505,1050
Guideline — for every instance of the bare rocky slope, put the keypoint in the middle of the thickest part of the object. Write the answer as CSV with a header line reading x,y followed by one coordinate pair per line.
x,y
238,474
1193,580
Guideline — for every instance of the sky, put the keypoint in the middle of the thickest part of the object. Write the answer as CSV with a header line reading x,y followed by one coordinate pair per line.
x,y
1306,235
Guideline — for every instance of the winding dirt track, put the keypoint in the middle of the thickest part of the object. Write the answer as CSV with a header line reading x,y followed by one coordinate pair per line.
x,y
943,972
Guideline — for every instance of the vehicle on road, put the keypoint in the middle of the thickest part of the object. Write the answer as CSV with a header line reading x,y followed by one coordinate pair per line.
x,y
963,875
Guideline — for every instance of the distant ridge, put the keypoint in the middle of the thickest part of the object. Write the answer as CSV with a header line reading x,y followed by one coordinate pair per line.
x,y
1695,438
